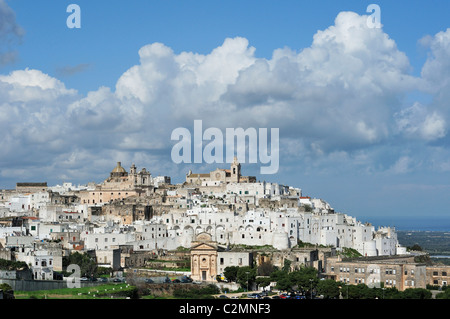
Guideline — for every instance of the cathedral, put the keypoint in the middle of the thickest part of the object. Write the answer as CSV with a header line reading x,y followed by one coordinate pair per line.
x,y
232,175
119,185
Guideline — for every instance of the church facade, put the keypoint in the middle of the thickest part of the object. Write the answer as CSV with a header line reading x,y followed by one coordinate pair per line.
x,y
119,185
232,175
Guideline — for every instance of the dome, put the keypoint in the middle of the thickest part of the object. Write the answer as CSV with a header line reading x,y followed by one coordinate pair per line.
x,y
118,171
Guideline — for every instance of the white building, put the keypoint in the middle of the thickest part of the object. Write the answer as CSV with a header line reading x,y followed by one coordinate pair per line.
x,y
19,203
42,265
106,240
281,229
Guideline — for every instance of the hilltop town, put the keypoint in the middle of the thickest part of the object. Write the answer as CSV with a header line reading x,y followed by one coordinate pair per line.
x,y
214,220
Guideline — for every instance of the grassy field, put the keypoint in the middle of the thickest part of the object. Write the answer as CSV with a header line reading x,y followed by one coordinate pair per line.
x,y
106,291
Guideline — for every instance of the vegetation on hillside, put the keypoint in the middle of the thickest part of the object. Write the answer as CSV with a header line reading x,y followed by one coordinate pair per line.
x,y
12,265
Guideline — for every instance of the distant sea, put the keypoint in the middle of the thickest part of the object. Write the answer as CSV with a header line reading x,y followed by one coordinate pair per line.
x,y
410,223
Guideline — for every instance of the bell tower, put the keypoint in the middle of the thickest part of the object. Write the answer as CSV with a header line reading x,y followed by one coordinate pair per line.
x,y
133,174
235,171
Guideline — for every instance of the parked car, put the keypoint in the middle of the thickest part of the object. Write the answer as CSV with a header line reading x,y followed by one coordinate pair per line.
x,y
117,279
176,281
186,279
149,281
254,296
223,297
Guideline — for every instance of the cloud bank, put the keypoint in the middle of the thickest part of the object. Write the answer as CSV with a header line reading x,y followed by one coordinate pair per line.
x,y
340,105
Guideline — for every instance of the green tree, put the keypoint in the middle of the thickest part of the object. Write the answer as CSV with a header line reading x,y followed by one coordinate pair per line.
x,y
415,247
360,291
329,288
182,292
88,265
263,281
387,293
353,292
284,283
246,276
5,287
416,293
230,273
287,265
12,265
444,295
305,278
282,279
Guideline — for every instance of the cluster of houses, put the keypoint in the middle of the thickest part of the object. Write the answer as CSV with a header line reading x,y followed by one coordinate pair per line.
x,y
221,218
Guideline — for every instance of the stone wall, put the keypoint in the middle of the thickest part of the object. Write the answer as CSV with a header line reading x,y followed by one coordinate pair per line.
x,y
33,285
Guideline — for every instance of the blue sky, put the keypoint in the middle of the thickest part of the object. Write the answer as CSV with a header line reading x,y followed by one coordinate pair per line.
x,y
362,113
112,32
